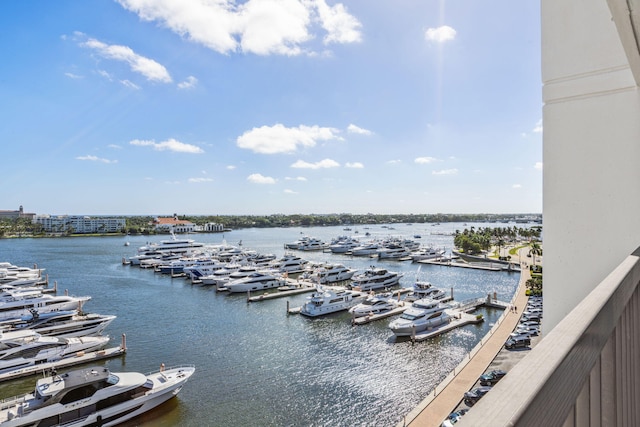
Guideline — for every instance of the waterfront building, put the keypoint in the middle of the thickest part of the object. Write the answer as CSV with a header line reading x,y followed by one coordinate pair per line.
x,y
173,225
79,224
20,213
213,227
586,368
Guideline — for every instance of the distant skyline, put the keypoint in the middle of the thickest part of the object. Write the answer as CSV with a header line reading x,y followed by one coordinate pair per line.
x,y
148,107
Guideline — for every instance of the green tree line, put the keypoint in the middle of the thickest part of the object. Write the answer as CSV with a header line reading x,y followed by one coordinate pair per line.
x,y
21,227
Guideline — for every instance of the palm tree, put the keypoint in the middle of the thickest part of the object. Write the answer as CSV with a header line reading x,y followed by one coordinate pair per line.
x,y
536,250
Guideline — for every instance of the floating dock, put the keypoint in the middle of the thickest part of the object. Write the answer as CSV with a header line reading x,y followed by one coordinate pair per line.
x,y
78,359
279,294
459,319
475,266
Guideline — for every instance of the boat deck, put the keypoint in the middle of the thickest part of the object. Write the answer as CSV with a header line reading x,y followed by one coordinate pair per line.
x,y
459,319
373,317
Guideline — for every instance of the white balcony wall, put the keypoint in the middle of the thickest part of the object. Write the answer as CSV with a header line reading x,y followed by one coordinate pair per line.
x,y
591,154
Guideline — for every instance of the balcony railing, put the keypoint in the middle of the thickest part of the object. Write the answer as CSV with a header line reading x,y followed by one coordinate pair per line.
x,y
584,372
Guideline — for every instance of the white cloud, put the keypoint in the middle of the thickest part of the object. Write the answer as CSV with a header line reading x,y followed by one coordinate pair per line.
x,y
280,139
358,130
114,146
538,127
130,84
261,27
425,160
538,166
516,186
105,74
298,178
354,165
95,159
273,27
197,180
445,172
394,162
441,34
339,24
288,191
169,145
231,167
190,83
322,164
73,76
150,69
257,178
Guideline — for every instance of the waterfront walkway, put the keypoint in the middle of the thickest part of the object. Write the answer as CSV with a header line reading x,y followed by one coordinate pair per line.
x,y
435,408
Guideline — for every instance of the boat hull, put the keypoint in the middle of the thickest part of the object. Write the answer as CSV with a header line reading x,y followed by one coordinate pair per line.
x,y
406,329
166,384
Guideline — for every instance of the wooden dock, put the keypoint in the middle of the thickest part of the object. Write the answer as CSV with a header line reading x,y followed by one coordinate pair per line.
x,y
280,294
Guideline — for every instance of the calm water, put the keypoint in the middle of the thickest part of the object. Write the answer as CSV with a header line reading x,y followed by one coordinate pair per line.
x,y
256,365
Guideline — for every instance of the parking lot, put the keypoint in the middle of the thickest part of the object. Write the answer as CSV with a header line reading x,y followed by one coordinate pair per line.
x,y
507,358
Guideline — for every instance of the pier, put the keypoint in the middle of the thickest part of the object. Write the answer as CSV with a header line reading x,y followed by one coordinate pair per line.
x,y
488,266
304,288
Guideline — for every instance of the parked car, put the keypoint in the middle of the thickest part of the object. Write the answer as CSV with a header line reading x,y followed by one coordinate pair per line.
x,y
492,377
517,342
471,397
454,417
528,331
531,323
532,312
531,318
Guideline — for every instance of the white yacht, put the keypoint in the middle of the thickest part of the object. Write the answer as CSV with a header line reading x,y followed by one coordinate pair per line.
x,y
19,276
329,273
19,349
375,304
375,278
176,246
325,301
393,252
423,289
425,253
296,243
343,244
183,264
312,244
198,271
261,260
289,264
366,249
22,305
93,396
256,281
64,324
423,313
221,277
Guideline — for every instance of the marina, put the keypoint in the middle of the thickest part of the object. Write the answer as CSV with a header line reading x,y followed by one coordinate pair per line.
x,y
243,367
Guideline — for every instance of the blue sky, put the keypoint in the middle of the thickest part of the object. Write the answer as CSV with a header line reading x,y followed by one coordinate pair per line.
x,y
135,107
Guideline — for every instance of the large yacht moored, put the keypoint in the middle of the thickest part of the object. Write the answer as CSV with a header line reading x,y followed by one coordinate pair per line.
x,y
92,397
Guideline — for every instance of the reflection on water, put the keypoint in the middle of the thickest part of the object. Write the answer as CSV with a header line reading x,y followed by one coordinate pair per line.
x,y
256,365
